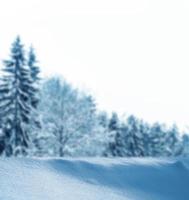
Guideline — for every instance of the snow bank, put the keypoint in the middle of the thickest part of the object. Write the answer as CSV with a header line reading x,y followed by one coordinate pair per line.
x,y
94,179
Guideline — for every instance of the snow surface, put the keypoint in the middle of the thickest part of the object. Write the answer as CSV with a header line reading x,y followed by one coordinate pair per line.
x,y
94,179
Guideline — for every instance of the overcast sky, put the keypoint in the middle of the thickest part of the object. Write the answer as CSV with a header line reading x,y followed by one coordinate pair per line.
x,y
133,55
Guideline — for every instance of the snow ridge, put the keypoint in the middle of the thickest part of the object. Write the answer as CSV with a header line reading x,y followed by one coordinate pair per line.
x,y
94,179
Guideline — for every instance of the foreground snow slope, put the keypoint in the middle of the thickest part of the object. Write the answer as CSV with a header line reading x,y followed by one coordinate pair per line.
x,y
94,179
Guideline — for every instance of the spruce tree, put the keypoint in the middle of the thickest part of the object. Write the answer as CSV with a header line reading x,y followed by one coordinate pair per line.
x,y
173,142
35,125
15,108
157,145
134,138
113,148
34,72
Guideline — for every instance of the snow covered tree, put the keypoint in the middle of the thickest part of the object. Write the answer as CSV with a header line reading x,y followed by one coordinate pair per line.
x,y
157,146
35,125
103,119
67,116
134,138
144,129
16,89
85,127
113,148
34,71
173,142
129,138
101,134
120,141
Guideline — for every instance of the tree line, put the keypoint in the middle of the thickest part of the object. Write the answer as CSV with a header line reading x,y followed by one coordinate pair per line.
x,y
49,117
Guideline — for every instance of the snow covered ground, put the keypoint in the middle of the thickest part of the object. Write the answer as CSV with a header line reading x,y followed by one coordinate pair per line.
x,y
94,179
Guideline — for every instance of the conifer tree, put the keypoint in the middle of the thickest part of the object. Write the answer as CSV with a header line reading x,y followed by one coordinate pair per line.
x,y
34,72
114,135
15,108
35,124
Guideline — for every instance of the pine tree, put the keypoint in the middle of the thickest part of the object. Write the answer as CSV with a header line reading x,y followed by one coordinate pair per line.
x,y
128,138
157,145
134,138
34,70
173,142
114,144
144,129
35,124
16,89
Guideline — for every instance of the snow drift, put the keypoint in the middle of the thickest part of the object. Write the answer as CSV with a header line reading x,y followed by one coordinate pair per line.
x,y
94,179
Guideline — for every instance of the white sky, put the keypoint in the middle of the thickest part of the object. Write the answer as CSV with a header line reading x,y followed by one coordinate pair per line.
x,y
133,55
